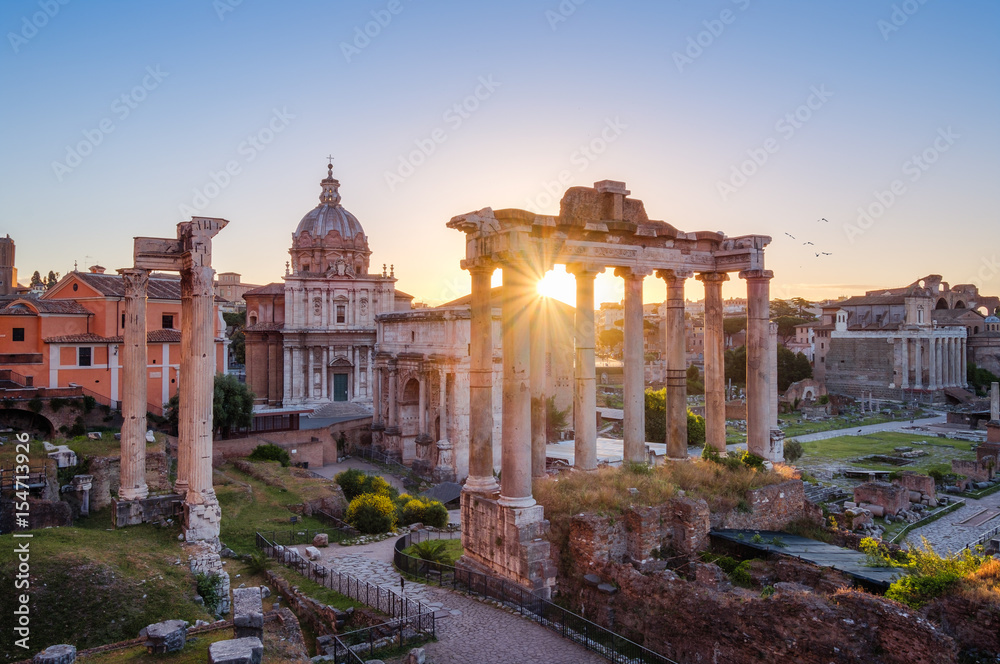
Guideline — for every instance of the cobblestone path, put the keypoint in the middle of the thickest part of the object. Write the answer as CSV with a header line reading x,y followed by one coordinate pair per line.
x,y
468,630
947,534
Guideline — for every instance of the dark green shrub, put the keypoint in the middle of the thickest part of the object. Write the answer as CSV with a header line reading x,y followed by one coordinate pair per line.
x,y
355,482
77,429
937,475
56,404
270,452
436,514
208,588
741,574
35,405
915,591
427,512
751,460
793,451
89,403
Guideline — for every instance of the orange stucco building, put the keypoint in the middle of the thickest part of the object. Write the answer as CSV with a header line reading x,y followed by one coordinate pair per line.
x,y
70,336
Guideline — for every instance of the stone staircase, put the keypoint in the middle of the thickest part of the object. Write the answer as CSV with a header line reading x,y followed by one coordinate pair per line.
x,y
345,409
822,493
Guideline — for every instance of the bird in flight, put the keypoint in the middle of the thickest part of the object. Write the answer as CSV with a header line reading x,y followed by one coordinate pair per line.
x,y
790,235
824,219
828,253
805,243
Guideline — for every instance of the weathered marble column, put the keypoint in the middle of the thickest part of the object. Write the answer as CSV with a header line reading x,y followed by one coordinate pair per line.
x,y
393,427
905,363
676,355
635,382
310,373
539,337
444,471
201,510
515,476
585,384
424,386
369,359
377,397
776,437
964,369
994,402
758,371
481,478
134,360
715,361
286,368
918,364
324,385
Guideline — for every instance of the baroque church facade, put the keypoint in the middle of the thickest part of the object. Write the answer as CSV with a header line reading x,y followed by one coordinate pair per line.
x,y
310,341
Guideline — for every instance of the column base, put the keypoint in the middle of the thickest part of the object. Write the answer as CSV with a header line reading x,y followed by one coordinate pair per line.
x,y
202,520
520,502
508,542
147,510
481,485
138,493
776,446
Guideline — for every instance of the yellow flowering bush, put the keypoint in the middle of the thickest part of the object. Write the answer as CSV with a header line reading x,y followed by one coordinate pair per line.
x,y
372,513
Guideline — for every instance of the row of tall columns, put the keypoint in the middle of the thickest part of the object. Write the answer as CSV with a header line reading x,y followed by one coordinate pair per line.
x,y
943,357
134,362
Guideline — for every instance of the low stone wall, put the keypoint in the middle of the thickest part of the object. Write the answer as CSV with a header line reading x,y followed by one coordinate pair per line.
x,y
912,481
41,514
976,471
770,508
891,497
308,447
107,477
148,510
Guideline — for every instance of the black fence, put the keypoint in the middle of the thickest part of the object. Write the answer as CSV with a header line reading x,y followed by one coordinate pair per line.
x,y
369,453
364,644
412,613
593,637
300,536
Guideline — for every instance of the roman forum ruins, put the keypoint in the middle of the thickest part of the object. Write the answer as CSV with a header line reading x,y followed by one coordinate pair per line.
x,y
191,255
597,229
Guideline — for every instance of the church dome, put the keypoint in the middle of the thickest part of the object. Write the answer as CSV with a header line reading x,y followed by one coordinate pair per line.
x,y
329,239
992,319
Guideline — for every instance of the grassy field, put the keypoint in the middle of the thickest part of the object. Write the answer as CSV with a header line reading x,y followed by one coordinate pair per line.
x,y
842,450
195,651
793,425
452,551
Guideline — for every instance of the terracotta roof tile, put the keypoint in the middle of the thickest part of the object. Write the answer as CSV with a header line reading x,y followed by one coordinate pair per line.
x,y
270,289
21,307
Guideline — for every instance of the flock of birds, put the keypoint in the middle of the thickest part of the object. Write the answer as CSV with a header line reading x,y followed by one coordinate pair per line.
x,y
818,253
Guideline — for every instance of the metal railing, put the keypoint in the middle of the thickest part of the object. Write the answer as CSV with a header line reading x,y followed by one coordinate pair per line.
x,y
593,637
416,615
371,454
342,526
349,646
982,539
927,518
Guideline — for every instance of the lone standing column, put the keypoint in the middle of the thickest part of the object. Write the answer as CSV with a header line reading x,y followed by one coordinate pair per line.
x,y
964,369
715,361
481,478
758,370
515,475
377,396
393,427
676,347
918,364
539,339
585,386
133,461
202,514
904,360
444,471
635,396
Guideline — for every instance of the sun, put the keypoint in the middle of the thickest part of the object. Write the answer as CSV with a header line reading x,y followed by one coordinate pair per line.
x,y
558,284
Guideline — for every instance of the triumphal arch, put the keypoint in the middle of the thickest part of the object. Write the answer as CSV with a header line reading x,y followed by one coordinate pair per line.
x,y
597,229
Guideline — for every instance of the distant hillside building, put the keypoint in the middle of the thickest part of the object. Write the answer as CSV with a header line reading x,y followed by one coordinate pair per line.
x,y
231,288
901,343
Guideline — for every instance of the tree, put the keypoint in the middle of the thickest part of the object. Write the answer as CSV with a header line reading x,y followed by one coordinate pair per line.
x,y
611,338
51,280
786,327
734,325
781,308
801,305
235,324
979,379
736,365
695,382
232,406
36,280
792,367
656,420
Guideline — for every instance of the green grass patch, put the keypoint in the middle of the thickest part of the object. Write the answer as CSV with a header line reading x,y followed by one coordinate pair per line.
x,y
847,448
318,592
195,651
793,425
451,551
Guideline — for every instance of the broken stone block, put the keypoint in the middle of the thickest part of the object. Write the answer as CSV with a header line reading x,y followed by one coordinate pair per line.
x,y
94,435
607,588
591,579
416,656
166,636
150,438
248,650
248,613
321,539
60,654
312,553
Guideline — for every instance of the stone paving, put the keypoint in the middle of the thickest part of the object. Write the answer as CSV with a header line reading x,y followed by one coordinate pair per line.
x,y
948,534
468,630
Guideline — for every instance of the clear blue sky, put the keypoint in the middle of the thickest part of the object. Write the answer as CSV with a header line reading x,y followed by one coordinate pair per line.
x,y
674,118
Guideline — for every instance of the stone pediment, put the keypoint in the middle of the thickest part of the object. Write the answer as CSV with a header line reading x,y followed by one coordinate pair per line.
x,y
341,362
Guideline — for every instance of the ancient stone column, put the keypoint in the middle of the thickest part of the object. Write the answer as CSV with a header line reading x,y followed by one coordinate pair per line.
x,y
481,478
134,360
758,370
515,475
918,364
444,471
635,383
393,427
776,437
905,363
422,406
676,378
995,402
964,369
286,367
539,337
585,385
377,396
201,511
715,361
